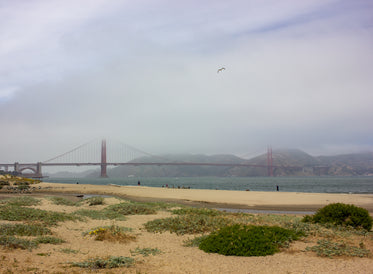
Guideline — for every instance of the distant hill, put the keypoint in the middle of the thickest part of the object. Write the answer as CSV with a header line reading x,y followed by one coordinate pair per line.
x,y
349,164
177,171
286,162
289,162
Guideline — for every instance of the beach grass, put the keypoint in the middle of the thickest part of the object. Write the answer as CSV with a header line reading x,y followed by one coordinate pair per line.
x,y
24,230
224,228
63,201
108,262
111,233
21,201
146,251
19,213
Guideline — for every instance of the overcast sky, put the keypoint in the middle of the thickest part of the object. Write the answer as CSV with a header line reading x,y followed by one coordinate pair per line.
x,y
299,74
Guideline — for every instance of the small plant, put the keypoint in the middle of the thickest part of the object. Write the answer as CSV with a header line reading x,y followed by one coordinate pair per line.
x,y
48,240
11,242
62,201
95,201
342,214
100,214
110,262
325,248
145,251
24,230
17,213
197,211
22,201
69,251
242,240
187,224
112,233
131,209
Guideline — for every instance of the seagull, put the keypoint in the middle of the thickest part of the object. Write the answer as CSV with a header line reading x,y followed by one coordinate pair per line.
x,y
221,69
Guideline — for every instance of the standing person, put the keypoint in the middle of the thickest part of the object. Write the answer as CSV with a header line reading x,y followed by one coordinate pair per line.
x,y
138,183
277,188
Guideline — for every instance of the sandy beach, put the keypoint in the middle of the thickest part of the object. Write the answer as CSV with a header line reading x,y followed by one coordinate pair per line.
x,y
282,201
174,256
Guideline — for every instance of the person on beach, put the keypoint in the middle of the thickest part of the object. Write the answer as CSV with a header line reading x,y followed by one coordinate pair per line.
x,y
138,183
277,188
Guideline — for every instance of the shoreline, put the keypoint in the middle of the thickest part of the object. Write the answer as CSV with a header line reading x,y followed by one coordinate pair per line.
x,y
249,200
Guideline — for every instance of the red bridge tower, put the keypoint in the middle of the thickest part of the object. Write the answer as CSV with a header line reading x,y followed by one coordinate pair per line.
x,y
103,159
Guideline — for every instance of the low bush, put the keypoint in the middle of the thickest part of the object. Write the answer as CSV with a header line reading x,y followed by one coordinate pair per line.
x,y
197,211
132,209
12,242
69,251
112,233
325,248
110,262
100,214
21,201
18,213
95,201
62,201
187,224
243,240
145,251
48,240
342,214
24,230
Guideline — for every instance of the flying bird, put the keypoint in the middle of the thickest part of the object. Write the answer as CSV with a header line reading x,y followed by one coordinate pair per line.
x,y
221,69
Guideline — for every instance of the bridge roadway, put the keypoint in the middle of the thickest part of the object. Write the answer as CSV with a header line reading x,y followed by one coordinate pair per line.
x,y
36,168
154,164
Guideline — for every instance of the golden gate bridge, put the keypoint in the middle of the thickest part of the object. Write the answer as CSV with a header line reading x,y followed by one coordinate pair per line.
x,y
103,154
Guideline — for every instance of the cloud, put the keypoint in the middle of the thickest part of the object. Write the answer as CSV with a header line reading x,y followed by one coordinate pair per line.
x,y
297,75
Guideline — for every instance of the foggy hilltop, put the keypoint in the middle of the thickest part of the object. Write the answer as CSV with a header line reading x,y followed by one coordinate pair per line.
x,y
297,163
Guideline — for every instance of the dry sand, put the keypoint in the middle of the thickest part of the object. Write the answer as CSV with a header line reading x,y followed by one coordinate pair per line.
x,y
176,258
293,201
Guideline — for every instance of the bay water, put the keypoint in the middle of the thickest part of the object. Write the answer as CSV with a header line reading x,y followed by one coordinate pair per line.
x,y
332,184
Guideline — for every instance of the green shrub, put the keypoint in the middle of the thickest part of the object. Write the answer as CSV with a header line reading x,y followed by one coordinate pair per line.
x,y
342,214
243,240
110,262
